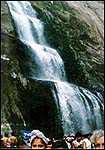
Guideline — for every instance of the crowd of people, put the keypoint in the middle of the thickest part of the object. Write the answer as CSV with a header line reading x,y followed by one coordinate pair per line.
x,y
37,140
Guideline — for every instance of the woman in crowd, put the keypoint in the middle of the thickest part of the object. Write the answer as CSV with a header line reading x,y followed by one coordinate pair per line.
x,y
97,139
38,140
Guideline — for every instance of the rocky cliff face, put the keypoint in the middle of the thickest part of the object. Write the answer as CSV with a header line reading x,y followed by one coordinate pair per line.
x,y
9,70
76,30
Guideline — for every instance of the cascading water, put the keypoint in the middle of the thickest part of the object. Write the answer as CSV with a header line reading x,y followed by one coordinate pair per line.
x,y
30,32
79,108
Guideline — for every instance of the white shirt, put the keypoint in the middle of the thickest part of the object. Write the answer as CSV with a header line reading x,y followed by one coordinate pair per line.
x,y
77,143
88,143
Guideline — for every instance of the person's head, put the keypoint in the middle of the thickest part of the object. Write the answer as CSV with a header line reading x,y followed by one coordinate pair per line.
x,y
97,139
78,136
38,140
49,145
21,144
5,140
13,139
59,145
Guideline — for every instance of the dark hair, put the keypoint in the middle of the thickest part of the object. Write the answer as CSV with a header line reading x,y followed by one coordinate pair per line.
x,y
78,134
20,141
59,144
50,142
41,140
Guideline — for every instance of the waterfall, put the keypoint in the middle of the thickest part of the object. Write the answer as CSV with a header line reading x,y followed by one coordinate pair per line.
x,y
79,109
30,32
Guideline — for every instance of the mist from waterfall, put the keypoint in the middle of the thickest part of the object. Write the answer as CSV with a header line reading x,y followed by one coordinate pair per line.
x,y
79,108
